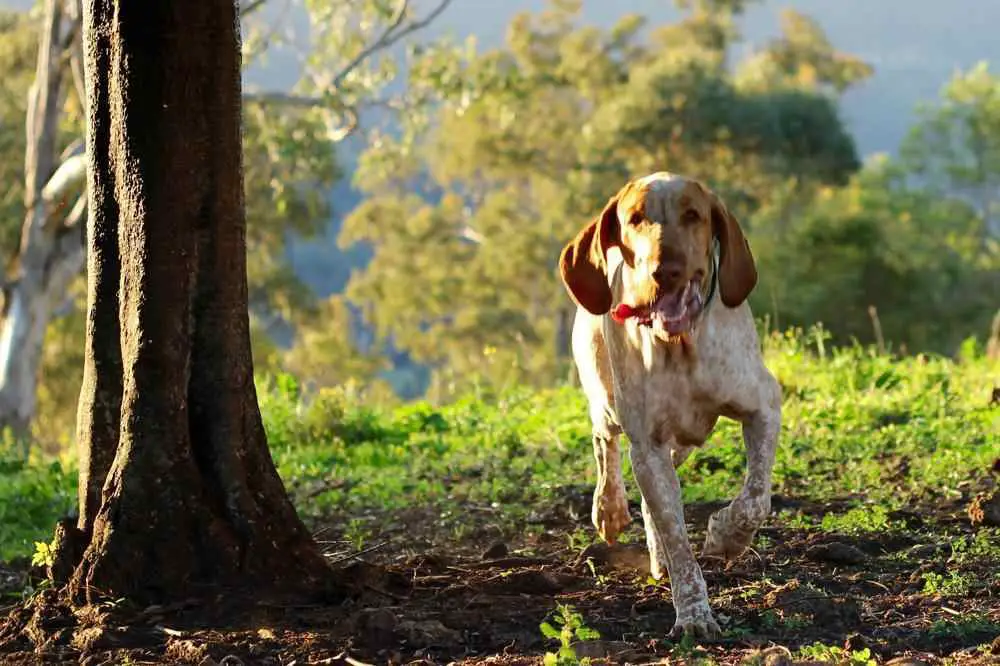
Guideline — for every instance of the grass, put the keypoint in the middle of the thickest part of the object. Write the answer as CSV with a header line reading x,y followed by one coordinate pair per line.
x,y
879,433
878,453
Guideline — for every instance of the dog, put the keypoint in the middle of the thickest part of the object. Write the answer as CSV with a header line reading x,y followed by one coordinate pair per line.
x,y
664,344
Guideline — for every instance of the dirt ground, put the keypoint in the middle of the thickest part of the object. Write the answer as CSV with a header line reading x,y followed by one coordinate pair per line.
x,y
422,599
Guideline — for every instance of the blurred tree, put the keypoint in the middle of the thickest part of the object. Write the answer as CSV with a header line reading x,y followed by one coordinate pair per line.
x,y
880,242
803,56
466,216
289,164
954,148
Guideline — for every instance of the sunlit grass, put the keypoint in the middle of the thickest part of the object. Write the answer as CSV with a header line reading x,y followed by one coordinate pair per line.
x,y
884,432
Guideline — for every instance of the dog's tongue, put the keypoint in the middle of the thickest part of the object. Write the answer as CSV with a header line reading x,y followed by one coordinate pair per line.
x,y
675,305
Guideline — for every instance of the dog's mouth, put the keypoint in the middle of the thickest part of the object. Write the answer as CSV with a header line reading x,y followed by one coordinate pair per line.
x,y
672,314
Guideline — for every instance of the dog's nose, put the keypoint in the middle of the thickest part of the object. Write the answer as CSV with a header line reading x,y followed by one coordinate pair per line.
x,y
669,272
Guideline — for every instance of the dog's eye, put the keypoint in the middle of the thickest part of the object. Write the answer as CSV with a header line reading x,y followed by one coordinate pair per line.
x,y
690,216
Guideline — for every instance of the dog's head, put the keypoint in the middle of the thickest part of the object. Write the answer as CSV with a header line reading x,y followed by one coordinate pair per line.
x,y
664,226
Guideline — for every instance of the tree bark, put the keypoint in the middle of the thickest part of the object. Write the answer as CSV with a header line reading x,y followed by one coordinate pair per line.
x,y
178,489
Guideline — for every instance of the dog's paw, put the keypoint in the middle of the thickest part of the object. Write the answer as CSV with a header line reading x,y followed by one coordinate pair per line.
x,y
696,620
727,538
610,512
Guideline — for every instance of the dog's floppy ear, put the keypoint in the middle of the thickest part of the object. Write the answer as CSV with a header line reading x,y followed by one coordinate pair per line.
x,y
583,264
737,270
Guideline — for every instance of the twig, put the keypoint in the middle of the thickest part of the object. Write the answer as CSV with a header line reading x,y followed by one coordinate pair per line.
x,y
877,328
343,657
878,584
352,556
509,563
393,33
251,7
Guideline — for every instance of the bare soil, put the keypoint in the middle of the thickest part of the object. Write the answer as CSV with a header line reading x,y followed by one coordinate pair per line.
x,y
420,597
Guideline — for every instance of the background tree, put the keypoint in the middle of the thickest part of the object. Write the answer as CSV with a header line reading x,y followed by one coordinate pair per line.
x,y
290,166
910,236
465,224
954,147
50,253
880,242
178,487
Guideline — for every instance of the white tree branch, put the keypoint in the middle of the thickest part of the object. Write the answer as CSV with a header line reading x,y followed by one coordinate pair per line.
x,y
396,29
71,172
251,7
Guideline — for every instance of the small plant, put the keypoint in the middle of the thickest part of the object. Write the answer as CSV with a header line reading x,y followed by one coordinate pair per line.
x,y
687,651
43,555
598,576
837,655
566,625
579,539
985,545
357,533
858,520
969,626
952,585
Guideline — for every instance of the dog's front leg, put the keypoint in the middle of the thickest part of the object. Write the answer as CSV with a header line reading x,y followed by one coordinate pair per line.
x,y
732,528
661,492
610,508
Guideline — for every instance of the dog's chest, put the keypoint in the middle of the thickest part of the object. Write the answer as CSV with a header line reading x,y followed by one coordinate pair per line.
x,y
678,409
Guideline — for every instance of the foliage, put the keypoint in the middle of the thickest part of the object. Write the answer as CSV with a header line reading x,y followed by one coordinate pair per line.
x,y
954,148
566,624
878,242
478,170
34,494
289,167
465,219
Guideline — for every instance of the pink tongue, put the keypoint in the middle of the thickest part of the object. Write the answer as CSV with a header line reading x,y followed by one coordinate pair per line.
x,y
672,307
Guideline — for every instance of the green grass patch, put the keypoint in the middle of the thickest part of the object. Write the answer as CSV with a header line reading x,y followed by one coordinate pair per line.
x,y
34,494
856,424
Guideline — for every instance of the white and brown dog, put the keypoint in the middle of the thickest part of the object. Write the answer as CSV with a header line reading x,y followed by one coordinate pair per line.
x,y
665,344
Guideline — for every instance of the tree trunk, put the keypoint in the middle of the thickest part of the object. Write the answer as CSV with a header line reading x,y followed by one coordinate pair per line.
x,y
178,488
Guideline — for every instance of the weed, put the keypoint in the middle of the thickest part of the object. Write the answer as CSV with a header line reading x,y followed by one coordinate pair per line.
x,y
965,628
837,655
566,625
357,533
43,555
955,584
858,520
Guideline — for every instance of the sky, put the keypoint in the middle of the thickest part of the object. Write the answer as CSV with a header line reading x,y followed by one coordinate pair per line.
x,y
914,45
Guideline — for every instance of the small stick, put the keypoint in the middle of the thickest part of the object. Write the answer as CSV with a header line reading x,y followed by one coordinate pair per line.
x,y
877,327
